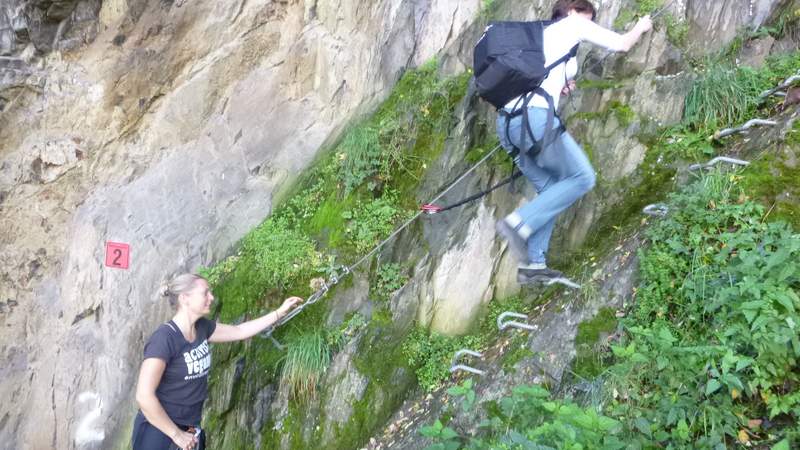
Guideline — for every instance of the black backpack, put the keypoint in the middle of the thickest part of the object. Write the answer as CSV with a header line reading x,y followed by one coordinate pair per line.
x,y
508,63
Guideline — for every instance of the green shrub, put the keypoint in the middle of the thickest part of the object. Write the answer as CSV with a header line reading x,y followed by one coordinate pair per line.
x,y
431,354
389,278
281,254
529,419
370,222
715,324
677,30
361,155
722,95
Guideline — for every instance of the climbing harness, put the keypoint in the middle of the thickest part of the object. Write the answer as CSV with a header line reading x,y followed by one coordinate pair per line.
x,y
744,128
717,160
455,367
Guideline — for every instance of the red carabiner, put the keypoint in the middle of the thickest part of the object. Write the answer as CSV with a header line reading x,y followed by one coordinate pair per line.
x,y
430,209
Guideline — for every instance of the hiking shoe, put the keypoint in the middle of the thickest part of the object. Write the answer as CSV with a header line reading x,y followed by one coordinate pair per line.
x,y
517,244
528,275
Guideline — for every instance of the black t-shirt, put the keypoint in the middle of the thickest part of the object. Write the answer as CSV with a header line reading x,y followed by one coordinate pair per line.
x,y
184,385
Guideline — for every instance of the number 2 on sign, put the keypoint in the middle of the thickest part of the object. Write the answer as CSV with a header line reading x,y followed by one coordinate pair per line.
x,y
117,255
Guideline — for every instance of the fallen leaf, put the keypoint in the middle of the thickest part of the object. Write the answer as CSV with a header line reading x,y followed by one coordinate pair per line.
x,y
754,423
743,437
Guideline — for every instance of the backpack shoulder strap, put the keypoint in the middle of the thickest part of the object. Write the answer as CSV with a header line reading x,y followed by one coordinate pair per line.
x,y
572,53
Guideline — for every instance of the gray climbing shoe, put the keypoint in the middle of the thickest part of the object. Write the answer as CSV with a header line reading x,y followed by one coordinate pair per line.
x,y
528,275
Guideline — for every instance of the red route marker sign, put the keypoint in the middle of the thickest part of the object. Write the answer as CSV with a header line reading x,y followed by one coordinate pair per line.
x,y
117,255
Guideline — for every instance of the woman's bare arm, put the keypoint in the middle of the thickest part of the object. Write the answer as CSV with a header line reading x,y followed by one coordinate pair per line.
x,y
244,330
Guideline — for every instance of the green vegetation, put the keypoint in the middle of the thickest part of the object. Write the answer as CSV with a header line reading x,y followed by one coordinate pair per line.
x,y
725,94
638,9
776,185
431,354
622,112
530,418
306,360
677,30
370,222
590,343
710,348
354,197
602,84
389,278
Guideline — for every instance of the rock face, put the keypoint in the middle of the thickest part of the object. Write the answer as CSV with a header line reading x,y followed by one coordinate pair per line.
x,y
174,126
172,131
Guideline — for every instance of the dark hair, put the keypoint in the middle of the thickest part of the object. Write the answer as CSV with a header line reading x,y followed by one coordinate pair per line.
x,y
563,7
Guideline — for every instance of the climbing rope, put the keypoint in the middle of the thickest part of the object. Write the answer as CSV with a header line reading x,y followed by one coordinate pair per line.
x,y
338,275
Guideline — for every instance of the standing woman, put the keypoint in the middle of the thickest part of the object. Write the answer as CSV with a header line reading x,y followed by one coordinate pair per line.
x,y
173,378
560,172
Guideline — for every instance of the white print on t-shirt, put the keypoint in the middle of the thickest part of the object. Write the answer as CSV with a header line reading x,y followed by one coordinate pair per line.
x,y
198,360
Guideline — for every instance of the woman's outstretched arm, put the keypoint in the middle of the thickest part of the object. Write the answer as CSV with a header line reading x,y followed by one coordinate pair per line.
x,y
244,330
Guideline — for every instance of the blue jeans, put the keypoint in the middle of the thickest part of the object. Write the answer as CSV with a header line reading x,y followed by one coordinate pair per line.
x,y
561,174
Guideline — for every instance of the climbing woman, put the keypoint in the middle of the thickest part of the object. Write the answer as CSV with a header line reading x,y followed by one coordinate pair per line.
x,y
173,378
553,162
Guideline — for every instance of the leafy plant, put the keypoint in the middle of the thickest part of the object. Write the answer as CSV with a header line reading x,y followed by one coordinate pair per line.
x,y
715,325
677,30
389,279
370,222
281,254
530,418
361,155
446,437
431,353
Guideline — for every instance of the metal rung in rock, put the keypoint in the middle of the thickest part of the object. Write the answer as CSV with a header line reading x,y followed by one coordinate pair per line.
x,y
456,367
501,325
657,209
717,160
749,124
789,81
562,280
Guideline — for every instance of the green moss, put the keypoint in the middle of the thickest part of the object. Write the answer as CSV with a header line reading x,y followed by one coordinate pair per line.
x,y
589,360
327,223
776,185
379,358
601,84
590,331
518,351
625,16
622,112
638,9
